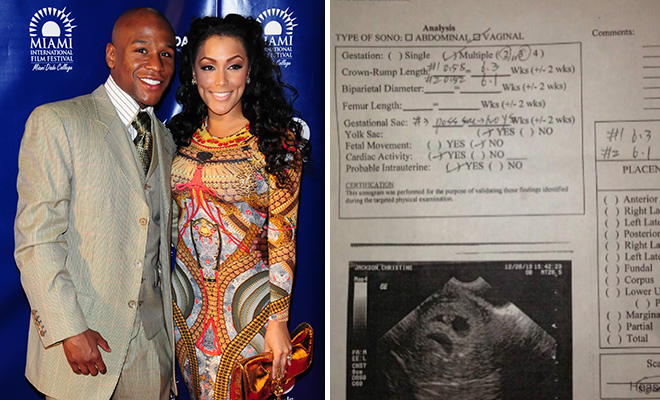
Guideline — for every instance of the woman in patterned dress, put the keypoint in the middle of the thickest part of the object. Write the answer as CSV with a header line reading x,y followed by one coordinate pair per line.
x,y
238,166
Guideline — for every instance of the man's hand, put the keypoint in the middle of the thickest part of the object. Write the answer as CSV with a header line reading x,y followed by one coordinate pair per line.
x,y
82,352
260,244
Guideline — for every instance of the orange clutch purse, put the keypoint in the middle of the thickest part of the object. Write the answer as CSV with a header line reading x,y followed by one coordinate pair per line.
x,y
250,377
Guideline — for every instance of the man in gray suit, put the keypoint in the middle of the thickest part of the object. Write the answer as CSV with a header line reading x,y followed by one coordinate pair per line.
x,y
93,227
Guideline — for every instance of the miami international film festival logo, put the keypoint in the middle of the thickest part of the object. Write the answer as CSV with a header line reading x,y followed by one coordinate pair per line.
x,y
278,31
51,40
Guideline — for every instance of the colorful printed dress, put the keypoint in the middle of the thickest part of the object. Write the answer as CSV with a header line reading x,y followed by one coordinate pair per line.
x,y
224,294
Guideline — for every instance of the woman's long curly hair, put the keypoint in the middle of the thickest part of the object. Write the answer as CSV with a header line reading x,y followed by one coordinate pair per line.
x,y
263,102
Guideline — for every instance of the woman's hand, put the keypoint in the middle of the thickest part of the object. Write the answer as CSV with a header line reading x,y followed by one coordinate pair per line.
x,y
278,341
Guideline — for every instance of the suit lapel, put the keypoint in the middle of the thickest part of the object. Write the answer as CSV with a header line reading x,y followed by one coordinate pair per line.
x,y
117,141
162,159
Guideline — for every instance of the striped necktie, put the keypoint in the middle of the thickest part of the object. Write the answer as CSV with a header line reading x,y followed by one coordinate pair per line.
x,y
143,142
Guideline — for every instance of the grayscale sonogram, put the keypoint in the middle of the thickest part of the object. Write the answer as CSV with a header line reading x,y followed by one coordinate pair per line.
x,y
459,331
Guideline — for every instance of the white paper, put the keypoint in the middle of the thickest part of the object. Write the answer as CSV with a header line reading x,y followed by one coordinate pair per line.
x,y
504,154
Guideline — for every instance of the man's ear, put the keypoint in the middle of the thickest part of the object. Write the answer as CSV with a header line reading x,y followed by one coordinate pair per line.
x,y
110,53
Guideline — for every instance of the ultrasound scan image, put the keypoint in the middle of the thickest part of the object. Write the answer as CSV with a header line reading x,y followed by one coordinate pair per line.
x,y
460,345
468,339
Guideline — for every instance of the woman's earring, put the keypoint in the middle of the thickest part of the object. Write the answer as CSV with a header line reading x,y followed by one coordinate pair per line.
x,y
247,81
194,81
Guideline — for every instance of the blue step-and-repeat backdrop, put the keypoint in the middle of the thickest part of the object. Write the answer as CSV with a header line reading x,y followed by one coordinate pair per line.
x,y
75,65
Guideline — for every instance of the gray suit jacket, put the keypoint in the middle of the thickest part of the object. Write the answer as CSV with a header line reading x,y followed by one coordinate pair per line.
x,y
80,237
